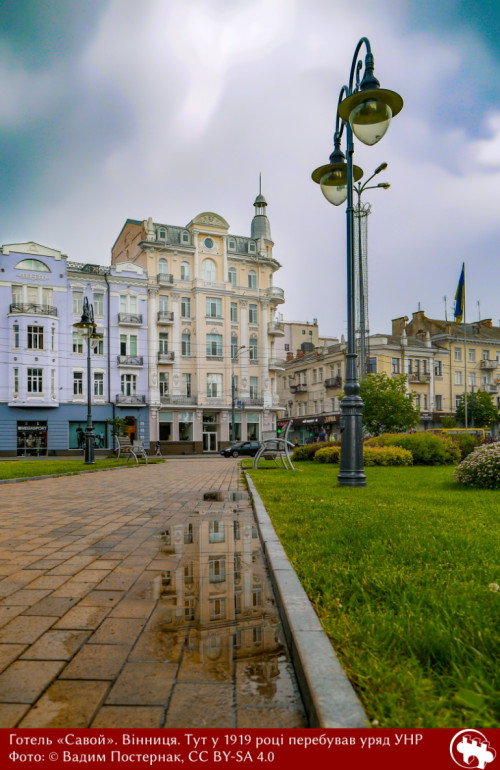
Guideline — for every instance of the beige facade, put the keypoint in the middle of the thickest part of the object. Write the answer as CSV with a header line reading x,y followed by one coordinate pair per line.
x,y
436,357
212,323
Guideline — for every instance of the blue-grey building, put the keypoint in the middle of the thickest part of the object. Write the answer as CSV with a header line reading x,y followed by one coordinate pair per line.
x,y
43,390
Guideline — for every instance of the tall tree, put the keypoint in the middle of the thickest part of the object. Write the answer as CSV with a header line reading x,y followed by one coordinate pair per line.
x,y
388,408
480,407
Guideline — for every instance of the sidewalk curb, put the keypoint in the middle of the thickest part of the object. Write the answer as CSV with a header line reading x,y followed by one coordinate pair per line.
x,y
329,697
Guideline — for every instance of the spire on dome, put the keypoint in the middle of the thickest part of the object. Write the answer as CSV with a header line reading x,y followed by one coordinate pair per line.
x,y
260,223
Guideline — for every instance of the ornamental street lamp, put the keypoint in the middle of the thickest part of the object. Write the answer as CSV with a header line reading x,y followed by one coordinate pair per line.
x,y
233,392
87,323
366,110
361,265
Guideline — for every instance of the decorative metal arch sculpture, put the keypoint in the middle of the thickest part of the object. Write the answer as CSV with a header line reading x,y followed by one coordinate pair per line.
x,y
276,449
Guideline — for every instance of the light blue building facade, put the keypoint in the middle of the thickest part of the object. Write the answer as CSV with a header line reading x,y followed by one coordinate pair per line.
x,y
44,359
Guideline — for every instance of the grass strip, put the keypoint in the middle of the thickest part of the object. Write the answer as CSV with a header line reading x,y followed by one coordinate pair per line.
x,y
17,469
402,575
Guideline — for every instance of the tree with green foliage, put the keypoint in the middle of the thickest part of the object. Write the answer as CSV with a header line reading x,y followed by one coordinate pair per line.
x,y
388,407
480,409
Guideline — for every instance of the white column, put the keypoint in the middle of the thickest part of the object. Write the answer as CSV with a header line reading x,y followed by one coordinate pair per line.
x,y
154,388
264,369
244,384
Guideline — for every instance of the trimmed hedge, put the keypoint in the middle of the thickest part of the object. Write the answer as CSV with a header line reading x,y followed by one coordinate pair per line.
x,y
426,448
308,451
388,455
481,468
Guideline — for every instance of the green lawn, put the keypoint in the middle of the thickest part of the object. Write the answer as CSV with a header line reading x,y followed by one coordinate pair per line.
x,y
17,469
399,574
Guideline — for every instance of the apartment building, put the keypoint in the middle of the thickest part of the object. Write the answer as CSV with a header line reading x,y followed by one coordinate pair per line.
x,y
44,387
212,325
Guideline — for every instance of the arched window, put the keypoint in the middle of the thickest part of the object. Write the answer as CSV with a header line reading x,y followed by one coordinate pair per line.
x,y
185,271
186,343
208,270
252,279
231,274
162,265
234,345
32,264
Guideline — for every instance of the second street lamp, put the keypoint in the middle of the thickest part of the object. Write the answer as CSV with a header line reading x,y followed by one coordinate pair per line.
x,y
366,110
87,323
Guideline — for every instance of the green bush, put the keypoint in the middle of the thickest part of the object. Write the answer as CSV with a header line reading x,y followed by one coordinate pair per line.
x,y
328,454
308,451
426,448
465,442
387,455
481,468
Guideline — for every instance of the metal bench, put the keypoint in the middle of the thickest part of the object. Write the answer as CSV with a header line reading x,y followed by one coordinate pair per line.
x,y
128,449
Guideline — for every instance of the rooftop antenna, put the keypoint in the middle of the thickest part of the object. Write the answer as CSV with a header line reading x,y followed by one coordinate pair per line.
x,y
260,183
479,310
445,308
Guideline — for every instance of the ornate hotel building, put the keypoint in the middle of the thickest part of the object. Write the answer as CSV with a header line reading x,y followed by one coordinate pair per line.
x,y
212,328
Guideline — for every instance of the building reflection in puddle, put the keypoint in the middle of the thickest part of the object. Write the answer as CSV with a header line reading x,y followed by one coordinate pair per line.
x,y
217,602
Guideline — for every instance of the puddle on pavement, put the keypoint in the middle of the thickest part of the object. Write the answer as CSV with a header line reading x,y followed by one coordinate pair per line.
x,y
216,602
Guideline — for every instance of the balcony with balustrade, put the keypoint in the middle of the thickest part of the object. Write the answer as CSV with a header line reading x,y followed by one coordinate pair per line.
x,y
32,308
165,279
130,399
165,316
130,361
276,294
276,328
130,319
333,382
166,357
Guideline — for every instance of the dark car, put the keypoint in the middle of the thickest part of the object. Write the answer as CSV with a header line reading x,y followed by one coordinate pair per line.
x,y
243,448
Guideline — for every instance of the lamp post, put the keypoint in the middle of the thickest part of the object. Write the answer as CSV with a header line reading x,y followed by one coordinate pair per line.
x,y
366,110
359,189
87,322
233,393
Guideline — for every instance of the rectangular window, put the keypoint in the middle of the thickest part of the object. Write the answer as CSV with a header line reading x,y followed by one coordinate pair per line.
x,y
320,374
163,383
53,382
214,385
53,339
438,368
486,355
213,307
47,297
99,304
417,400
252,314
439,403
77,342
16,381
77,302
216,532
185,307
395,365
98,384
17,295
457,402
216,569
254,387
472,378
458,354
315,376
426,401
458,377
186,383
234,312
98,347
32,295
133,345
214,345
123,344
35,380
35,337
128,384
472,356
132,304
123,303
217,609
78,383
16,335
163,343
185,426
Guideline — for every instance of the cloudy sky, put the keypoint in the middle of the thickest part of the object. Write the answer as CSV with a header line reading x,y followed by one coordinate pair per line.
x,y
116,109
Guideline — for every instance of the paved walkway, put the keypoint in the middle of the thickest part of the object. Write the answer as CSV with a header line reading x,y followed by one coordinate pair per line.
x,y
127,600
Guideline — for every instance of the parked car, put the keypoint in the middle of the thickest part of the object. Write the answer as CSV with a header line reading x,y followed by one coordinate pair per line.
x,y
243,448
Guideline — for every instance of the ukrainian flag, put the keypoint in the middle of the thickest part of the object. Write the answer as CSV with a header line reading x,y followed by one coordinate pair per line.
x,y
460,297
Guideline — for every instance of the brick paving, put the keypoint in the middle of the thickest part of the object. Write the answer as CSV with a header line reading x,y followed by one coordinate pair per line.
x,y
127,600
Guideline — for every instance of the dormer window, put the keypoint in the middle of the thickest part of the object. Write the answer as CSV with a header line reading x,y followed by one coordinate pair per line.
x,y
252,247
162,233
185,237
231,244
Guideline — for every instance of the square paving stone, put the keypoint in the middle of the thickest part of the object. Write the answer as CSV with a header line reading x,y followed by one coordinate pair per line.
x,y
25,680
66,704
26,597
201,705
102,598
143,684
274,718
72,590
9,653
7,613
56,645
116,630
129,717
82,617
90,575
53,606
11,713
132,608
97,661
25,630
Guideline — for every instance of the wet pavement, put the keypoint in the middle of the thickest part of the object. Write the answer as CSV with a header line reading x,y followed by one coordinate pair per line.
x,y
140,598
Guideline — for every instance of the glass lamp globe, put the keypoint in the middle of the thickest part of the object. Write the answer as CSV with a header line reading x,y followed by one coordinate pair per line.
x,y
370,120
333,189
